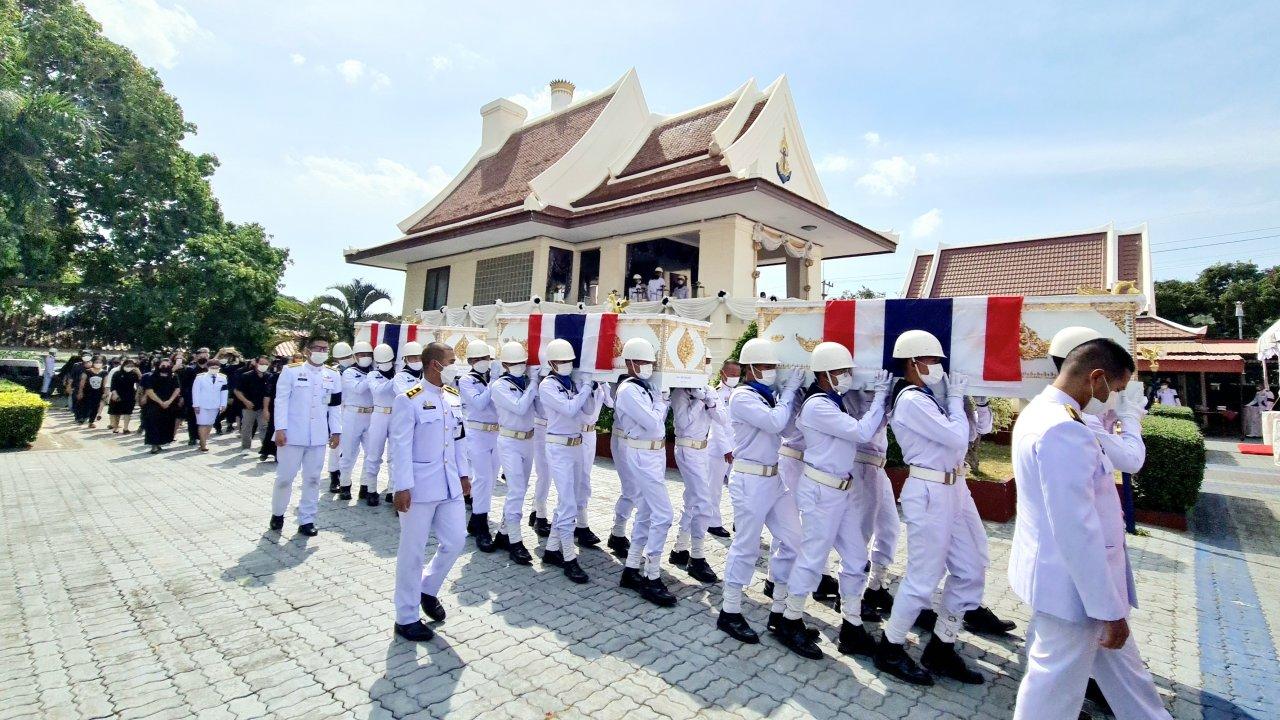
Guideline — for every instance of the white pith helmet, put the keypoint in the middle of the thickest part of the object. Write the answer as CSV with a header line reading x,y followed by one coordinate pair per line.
x,y
341,350
758,351
830,356
512,353
478,349
1070,338
383,353
559,350
362,347
638,349
412,348
917,343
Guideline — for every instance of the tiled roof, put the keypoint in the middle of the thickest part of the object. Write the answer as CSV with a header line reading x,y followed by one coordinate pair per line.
x,y
918,275
1044,266
1155,328
755,113
501,180
679,138
607,191
1129,262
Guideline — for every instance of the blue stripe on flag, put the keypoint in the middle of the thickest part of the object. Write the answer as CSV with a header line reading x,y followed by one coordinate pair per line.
x,y
391,336
571,327
933,316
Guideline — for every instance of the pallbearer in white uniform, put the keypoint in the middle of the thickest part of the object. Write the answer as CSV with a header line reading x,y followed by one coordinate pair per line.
x,y
829,514
1069,561
357,412
345,358
514,394
411,373
720,454
308,417
482,439
582,534
874,497
382,390
759,496
640,419
566,405
539,517
694,412
429,472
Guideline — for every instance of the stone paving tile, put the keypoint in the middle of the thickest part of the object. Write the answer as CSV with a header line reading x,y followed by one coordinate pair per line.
x,y
145,586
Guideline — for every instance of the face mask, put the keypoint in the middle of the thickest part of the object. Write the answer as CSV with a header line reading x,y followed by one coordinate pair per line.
x,y
933,375
319,356
1098,407
448,374
644,372
164,368
768,377
385,366
562,368
345,363
263,368
201,361
481,366
517,369
364,362
213,371
731,381
844,383
86,358
414,366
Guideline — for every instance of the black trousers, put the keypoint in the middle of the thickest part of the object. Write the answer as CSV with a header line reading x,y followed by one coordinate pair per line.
x,y
192,431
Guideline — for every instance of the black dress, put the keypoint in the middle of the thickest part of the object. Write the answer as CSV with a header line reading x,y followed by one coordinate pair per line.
x,y
125,386
94,384
269,400
158,422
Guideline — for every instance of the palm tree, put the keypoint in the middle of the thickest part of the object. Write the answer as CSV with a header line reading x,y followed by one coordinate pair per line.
x,y
292,319
352,304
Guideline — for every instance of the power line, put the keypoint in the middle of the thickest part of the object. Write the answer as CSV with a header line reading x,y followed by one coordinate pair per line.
x,y
1215,244
1210,237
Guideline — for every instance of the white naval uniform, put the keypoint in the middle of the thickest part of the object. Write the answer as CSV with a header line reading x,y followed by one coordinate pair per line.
x,y
945,536
874,491
357,413
693,413
428,458
626,503
656,288
638,293
831,517
542,485
208,394
590,416
308,408
760,500
721,444
335,454
482,437
640,421
1070,564
515,416
382,390
404,379
565,405
1167,396
1124,451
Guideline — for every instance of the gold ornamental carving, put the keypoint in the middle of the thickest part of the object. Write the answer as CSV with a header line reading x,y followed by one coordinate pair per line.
x,y
685,349
777,338
807,343
1030,345
461,348
1151,353
617,347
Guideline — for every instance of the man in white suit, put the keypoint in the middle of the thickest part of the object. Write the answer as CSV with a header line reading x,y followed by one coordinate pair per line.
x,y
1069,560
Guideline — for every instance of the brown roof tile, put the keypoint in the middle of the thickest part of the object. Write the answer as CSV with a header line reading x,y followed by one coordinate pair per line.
x,y
606,191
1044,266
1129,263
501,181
918,275
1151,328
755,113
679,138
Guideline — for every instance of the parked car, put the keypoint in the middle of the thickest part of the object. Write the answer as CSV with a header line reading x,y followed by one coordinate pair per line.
x,y
25,372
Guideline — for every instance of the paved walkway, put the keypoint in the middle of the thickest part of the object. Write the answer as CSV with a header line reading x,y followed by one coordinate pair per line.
x,y
140,586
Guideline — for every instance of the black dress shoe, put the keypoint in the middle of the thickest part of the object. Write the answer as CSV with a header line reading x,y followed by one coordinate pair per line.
x,y
984,622
768,588
585,538
371,499
432,607
277,522
501,542
736,627
473,522
364,493
828,589
679,558
308,529
657,593
416,631
335,481
868,612
941,658
533,517
631,579
1093,694
926,620
699,569
893,659
619,545
345,493
879,599
389,497
855,640
484,542
776,623
795,637
542,528
718,531
519,555
553,557
574,572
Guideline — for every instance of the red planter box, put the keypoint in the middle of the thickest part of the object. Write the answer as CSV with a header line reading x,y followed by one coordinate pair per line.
x,y
997,501
605,450
1163,519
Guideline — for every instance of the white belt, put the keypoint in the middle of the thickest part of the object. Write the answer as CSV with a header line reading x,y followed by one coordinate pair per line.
x,y
360,410
826,478
482,426
540,422
384,411
692,443
639,444
790,452
868,459
588,428
938,476
570,440
516,434
751,468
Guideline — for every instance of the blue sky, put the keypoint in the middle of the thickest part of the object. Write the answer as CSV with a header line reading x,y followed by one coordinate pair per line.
x,y
946,122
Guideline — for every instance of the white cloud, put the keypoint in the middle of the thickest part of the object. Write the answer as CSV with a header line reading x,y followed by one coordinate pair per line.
x,y
888,176
351,71
871,138
540,102
377,181
834,163
926,224
380,81
930,159
440,63
298,59
155,32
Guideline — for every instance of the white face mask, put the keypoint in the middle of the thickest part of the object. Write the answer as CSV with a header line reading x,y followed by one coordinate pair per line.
x,y
319,356
263,368
345,363
731,381
213,371
644,372
385,366
562,368
414,366
1098,407
481,366
768,377
933,375
448,374
364,362
843,383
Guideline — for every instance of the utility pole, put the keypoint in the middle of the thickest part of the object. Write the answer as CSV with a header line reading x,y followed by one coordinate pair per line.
x,y
1239,320
826,284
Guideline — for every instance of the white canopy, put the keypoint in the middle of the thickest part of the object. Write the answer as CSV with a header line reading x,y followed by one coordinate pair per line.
x,y
1269,342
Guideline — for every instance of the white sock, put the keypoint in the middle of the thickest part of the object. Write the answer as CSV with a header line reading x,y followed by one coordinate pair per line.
x,y
570,550
682,542
795,607
582,521
876,580
652,566
553,542
947,627
732,600
619,528
695,548
780,594
635,556
851,609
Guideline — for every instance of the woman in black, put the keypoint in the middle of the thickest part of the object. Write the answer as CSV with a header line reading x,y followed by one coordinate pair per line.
x,y
124,395
92,385
164,403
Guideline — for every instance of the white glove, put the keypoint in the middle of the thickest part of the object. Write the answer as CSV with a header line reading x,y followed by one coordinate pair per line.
x,y
792,381
881,382
665,396
699,393
1129,404
958,385
534,371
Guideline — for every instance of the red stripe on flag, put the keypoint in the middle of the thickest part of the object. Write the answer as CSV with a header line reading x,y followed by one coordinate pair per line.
x,y
373,334
604,344
837,322
412,333
535,337
1004,333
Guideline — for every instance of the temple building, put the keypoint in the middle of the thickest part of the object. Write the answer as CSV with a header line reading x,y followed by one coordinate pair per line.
x,y
571,205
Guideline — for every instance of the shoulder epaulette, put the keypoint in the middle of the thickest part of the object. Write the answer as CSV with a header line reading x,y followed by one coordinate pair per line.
x,y
451,389
413,391
1073,414
295,364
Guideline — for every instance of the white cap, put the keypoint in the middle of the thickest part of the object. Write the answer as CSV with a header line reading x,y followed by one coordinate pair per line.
x,y
341,350
513,352
830,356
758,351
917,343
657,270
1070,338
636,276
383,353
362,347
478,349
412,348
638,349
559,350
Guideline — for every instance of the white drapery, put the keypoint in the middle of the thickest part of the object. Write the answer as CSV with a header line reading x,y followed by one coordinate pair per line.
x,y
769,240
743,309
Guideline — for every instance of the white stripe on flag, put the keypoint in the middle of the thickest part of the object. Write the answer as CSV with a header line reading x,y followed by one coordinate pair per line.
x,y
548,334
590,342
968,351
868,328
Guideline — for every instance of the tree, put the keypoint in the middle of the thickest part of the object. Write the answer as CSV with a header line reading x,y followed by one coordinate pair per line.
x,y
352,304
1214,294
863,293
293,319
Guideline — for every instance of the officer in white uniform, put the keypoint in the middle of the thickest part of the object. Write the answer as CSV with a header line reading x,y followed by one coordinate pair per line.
x,y
308,415
1069,561
539,517
566,405
640,420
626,502
756,489
357,412
382,390
694,411
582,534
873,495
209,398
829,514
721,450
514,394
637,292
429,474
409,375
345,358
482,439
1167,395
657,287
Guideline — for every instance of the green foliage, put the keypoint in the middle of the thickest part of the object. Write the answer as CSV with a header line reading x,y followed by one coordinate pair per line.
x,y
893,453
1173,411
862,293
352,305
9,386
1170,479
292,319
605,423
1214,294
1002,413
21,415
751,332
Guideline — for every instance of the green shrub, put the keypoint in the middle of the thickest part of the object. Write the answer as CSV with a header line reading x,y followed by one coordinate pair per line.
x,y
751,332
1173,411
8,386
21,415
1002,413
1170,479
893,453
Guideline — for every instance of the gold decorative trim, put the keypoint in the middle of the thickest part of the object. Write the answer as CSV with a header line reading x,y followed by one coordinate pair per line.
x,y
461,348
807,343
685,349
1030,345
777,338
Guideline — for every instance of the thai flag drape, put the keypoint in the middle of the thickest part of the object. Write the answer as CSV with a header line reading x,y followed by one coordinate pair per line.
x,y
393,334
592,337
979,334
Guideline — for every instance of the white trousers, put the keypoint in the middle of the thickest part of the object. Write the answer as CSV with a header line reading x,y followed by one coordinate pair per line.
x,y
1063,655
879,512
354,427
289,459
829,518
567,462
760,502
375,446
335,458
482,450
543,485
517,462
695,515
448,519
717,473
626,503
647,469
583,491
945,537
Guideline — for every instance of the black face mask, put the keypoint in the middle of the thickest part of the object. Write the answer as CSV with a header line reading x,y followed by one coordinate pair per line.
x,y
201,361
164,369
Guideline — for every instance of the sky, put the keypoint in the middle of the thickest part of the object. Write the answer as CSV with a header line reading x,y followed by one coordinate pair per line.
x,y
945,122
